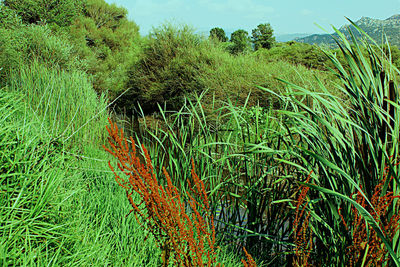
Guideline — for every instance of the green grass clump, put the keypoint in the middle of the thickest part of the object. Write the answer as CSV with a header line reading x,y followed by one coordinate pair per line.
x,y
32,168
65,101
55,209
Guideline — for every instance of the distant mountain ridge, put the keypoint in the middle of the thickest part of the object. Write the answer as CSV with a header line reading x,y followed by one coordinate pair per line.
x,y
373,27
289,36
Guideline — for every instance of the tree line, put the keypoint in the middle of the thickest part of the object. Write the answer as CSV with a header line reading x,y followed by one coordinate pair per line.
x,y
240,41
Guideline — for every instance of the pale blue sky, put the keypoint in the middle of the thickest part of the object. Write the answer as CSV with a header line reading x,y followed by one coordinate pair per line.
x,y
285,16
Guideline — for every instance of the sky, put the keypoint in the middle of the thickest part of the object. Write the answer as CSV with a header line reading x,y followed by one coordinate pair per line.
x,y
285,16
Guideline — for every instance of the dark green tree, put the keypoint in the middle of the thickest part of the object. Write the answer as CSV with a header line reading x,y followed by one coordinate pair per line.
x,y
262,36
240,41
219,34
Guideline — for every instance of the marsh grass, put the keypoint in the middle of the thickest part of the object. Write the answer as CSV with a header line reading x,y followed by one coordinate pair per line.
x,y
253,159
64,101
348,146
249,187
60,204
59,201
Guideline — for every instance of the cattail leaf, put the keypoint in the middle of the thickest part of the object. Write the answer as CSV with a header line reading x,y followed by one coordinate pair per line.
x,y
366,215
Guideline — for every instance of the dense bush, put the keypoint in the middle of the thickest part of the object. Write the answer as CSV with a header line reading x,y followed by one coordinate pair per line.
x,y
26,43
307,55
9,18
176,63
54,12
108,42
168,68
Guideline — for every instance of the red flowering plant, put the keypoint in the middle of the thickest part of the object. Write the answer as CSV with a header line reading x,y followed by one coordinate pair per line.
x,y
366,245
183,228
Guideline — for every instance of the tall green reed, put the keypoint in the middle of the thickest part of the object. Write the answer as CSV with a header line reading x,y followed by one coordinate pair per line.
x,y
348,141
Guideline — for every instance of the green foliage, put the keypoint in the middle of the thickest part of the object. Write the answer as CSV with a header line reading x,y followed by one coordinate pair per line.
x,y
27,43
108,43
177,63
56,209
307,55
59,207
243,182
393,52
218,34
236,77
168,68
349,142
240,42
262,36
60,13
31,171
9,18
253,158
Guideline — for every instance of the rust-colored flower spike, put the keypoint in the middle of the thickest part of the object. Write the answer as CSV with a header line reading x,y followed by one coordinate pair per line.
x,y
250,261
362,235
302,232
187,237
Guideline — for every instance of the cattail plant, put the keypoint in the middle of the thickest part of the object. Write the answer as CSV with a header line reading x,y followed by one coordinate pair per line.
x,y
183,228
347,139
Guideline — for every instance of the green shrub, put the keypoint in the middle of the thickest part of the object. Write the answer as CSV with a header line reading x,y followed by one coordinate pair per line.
x,y
60,13
9,18
168,68
176,63
108,43
307,55
27,43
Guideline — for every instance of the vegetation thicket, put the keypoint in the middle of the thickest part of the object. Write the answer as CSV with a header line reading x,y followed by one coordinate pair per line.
x,y
295,147
108,43
176,63
53,12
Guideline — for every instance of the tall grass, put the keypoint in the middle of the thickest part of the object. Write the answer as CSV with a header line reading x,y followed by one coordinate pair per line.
x,y
59,201
32,168
65,101
348,142
255,159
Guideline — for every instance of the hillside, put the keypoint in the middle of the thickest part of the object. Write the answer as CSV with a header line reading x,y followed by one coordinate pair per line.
x,y
373,27
289,37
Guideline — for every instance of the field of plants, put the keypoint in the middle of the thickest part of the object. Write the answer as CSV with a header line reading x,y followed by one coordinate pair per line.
x,y
170,150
